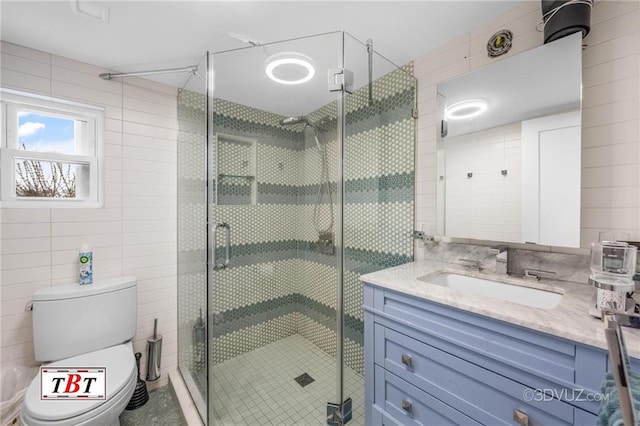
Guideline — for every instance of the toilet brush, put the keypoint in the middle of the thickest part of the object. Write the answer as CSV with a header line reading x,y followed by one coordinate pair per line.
x,y
140,394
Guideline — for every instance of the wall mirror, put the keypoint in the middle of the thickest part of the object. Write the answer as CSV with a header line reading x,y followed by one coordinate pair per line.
x,y
509,150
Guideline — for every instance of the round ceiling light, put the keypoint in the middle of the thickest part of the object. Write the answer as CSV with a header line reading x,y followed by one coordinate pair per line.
x,y
289,68
466,109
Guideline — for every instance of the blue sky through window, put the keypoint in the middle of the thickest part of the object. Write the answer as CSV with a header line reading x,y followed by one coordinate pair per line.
x,y
45,133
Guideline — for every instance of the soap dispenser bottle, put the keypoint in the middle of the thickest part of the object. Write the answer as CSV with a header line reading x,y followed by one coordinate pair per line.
x,y
86,264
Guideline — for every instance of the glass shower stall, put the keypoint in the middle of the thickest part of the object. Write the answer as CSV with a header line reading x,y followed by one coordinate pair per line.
x,y
295,177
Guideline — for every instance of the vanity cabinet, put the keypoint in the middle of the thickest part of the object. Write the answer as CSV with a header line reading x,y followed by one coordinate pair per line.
x,y
428,363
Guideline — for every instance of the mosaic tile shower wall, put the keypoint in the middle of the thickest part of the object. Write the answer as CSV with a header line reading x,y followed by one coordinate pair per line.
x,y
379,194
278,284
236,171
254,300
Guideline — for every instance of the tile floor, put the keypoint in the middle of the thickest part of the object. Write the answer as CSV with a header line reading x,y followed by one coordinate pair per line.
x,y
162,409
258,388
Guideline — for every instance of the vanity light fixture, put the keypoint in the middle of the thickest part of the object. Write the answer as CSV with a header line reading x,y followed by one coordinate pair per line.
x,y
466,109
289,68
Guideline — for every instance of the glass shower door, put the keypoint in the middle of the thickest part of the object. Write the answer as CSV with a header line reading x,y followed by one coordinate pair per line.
x,y
273,261
378,190
192,241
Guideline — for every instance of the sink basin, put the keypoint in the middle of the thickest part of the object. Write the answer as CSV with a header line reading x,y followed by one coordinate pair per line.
x,y
521,295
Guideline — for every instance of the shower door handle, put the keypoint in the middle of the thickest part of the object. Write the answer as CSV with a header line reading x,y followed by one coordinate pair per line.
x,y
219,266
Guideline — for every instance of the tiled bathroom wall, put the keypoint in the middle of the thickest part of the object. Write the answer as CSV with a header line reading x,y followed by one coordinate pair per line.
x,y
133,234
485,205
610,114
379,191
278,283
253,301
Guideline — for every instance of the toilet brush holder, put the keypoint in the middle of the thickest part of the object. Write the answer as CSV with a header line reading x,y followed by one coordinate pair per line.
x,y
154,353
199,342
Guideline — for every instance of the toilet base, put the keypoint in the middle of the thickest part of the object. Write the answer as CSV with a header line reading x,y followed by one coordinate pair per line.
x,y
105,416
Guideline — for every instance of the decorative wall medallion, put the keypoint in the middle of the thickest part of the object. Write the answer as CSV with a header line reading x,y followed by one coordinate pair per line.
x,y
499,43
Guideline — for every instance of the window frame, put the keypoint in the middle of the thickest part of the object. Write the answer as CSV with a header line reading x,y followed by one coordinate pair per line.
x,y
89,132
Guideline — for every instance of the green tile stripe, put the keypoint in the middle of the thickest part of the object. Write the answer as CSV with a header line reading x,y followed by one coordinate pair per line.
x,y
365,261
389,110
273,251
378,197
234,189
234,200
271,135
395,107
398,187
256,253
271,193
395,188
381,183
261,248
308,250
247,316
250,315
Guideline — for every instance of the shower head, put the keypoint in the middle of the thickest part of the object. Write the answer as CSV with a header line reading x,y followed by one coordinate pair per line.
x,y
289,121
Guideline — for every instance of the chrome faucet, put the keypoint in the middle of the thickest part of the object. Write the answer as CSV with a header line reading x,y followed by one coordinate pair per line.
x,y
537,274
502,258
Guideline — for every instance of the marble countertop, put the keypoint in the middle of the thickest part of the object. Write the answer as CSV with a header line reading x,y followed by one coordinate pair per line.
x,y
569,319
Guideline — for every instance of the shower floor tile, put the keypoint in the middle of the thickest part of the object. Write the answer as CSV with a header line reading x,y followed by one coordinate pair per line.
x,y
258,387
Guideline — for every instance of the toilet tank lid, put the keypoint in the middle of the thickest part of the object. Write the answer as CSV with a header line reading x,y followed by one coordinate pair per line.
x,y
71,291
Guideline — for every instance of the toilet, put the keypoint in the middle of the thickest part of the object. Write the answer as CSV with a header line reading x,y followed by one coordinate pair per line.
x,y
84,326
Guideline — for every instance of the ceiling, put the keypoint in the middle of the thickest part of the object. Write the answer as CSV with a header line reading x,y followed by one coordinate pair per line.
x,y
141,35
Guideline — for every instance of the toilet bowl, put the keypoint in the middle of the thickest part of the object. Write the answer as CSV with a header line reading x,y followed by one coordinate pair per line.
x,y
88,326
121,381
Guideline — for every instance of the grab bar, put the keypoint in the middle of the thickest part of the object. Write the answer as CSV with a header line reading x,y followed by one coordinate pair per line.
x,y
219,266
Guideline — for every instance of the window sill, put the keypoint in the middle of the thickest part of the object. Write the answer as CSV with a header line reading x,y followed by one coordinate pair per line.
x,y
50,204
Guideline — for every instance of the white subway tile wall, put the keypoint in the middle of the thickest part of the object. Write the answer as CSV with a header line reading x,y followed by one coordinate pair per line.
x,y
610,115
475,207
133,234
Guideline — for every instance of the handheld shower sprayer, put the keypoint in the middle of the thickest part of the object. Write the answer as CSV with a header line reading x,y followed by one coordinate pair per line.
x,y
324,178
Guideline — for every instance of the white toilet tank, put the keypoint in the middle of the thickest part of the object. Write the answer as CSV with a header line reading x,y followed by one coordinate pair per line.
x,y
74,319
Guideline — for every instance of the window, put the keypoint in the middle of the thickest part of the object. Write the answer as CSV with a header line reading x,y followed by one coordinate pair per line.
x,y
51,152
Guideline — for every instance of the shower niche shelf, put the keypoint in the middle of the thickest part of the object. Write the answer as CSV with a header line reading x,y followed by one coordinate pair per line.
x,y
236,170
246,177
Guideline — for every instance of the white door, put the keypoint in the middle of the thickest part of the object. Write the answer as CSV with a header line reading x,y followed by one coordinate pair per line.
x,y
551,161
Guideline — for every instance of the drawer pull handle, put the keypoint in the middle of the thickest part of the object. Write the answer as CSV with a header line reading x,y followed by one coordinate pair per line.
x,y
406,360
521,417
406,406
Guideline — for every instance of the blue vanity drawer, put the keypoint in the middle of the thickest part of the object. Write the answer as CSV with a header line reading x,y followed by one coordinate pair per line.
x,y
460,330
422,409
382,418
483,395
584,418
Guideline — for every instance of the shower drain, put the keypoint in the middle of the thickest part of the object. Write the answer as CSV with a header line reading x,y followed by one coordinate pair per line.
x,y
304,379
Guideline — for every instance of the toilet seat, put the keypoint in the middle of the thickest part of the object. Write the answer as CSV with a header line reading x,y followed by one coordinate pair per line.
x,y
121,380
